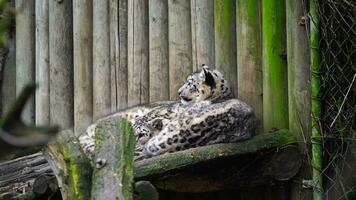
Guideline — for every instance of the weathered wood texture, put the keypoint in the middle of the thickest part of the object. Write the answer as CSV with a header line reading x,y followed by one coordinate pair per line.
x,y
179,44
158,50
25,51
101,59
249,55
61,63
225,40
83,64
42,63
121,70
203,41
156,166
299,87
114,50
113,172
275,77
138,68
70,166
18,177
265,168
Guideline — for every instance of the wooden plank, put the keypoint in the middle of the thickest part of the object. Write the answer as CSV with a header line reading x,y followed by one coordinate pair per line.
x,y
225,40
121,70
249,55
114,48
158,50
113,172
42,63
179,45
298,86
25,52
203,43
101,59
83,65
61,63
275,78
138,77
161,164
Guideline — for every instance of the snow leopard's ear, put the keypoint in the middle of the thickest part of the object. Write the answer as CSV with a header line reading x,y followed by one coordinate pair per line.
x,y
206,76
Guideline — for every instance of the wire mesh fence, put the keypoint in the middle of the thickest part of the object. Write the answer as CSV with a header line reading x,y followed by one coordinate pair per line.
x,y
337,28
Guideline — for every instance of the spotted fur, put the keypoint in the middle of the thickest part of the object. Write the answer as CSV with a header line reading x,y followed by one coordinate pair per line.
x,y
206,114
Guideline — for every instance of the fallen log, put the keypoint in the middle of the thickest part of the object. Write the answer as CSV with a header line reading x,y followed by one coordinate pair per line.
x,y
30,176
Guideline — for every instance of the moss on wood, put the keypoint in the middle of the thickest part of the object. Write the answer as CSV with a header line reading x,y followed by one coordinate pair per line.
x,y
173,161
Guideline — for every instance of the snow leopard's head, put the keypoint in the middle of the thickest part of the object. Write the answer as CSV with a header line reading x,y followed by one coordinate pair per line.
x,y
204,84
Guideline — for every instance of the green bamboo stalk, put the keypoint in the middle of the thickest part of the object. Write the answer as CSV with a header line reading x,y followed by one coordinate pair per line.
x,y
315,103
275,93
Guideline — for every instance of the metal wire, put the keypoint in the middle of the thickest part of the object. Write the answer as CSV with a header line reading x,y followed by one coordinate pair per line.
x,y
337,27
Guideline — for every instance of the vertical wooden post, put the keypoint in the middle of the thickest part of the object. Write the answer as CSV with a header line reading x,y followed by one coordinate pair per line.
x,y
114,50
202,20
249,54
179,44
225,40
138,77
298,85
158,50
121,52
113,175
101,59
275,78
25,52
61,63
298,69
42,63
83,71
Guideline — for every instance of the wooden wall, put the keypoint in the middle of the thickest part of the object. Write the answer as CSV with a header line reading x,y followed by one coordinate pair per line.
x,y
91,58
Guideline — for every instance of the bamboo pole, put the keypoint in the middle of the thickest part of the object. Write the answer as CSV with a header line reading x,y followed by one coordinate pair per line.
x,y
158,50
202,20
225,40
298,86
138,77
275,78
179,44
25,52
42,63
83,62
317,157
249,55
121,70
101,59
61,63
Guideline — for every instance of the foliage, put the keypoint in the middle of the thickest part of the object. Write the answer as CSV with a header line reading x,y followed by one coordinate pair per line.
x,y
6,19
